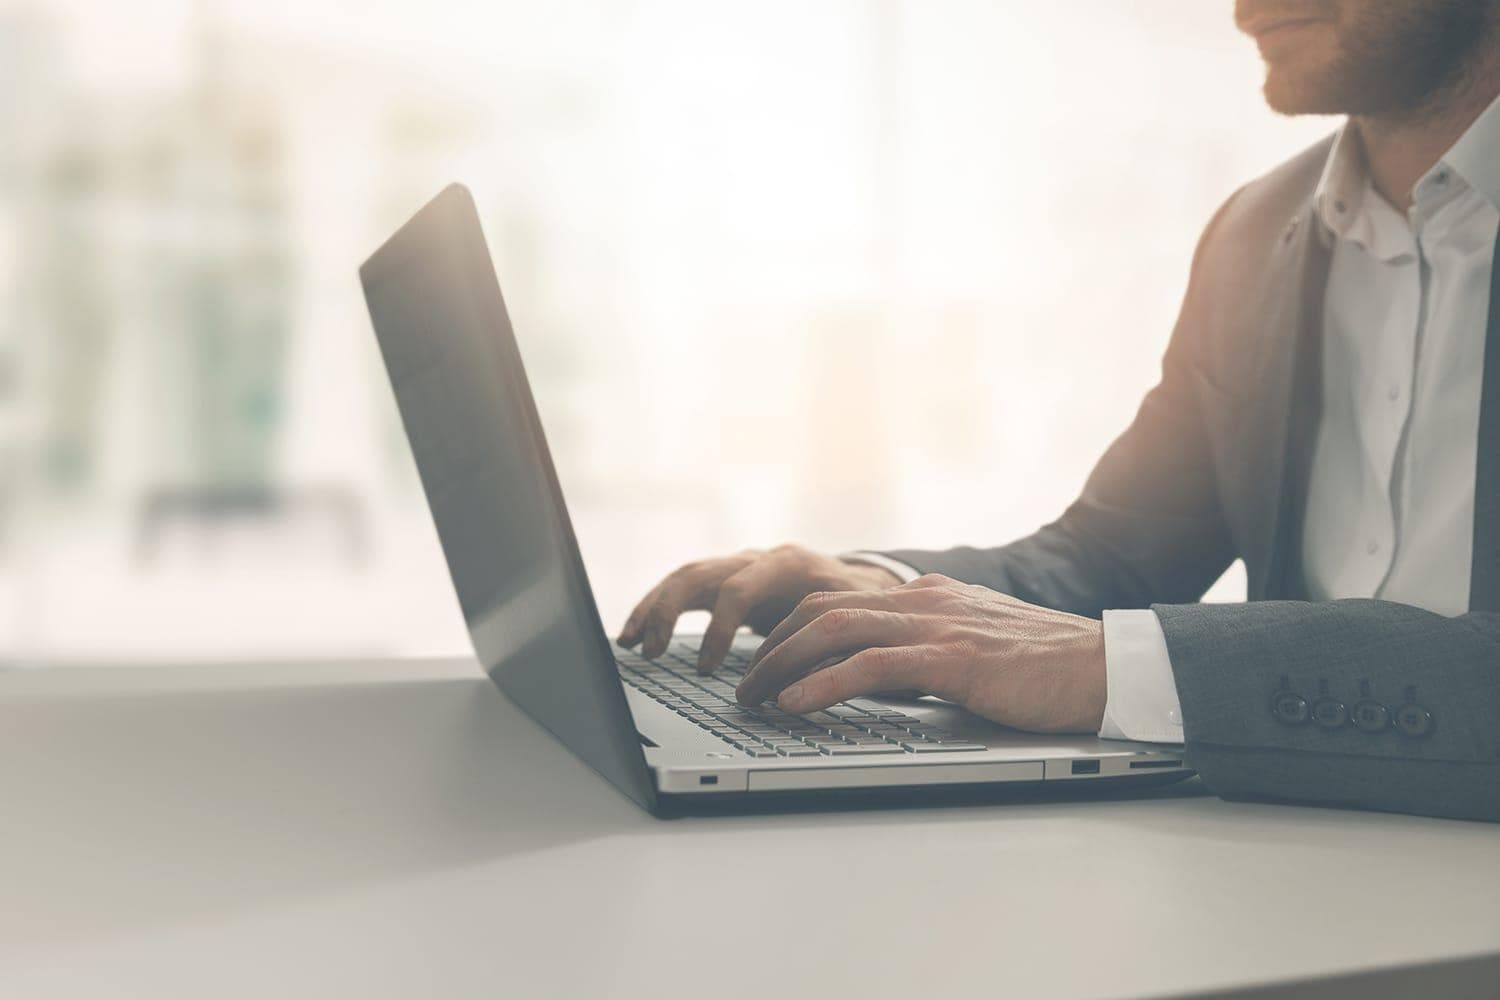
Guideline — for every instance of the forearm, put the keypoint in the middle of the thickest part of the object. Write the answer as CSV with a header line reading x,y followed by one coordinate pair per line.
x,y
1093,559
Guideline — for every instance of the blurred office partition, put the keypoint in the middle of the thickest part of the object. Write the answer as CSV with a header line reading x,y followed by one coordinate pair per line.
x,y
847,273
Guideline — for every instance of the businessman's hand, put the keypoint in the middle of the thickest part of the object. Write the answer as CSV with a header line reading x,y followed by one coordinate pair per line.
x,y
754,588
1013,662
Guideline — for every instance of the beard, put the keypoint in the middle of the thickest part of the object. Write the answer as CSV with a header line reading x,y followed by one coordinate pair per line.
x,y
1390,58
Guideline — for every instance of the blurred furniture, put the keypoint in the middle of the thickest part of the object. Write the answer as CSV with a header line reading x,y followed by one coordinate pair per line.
x,y
209,513
398,829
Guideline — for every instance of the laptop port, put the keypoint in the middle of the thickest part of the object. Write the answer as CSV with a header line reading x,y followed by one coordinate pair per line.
x,y
708,779
1085,767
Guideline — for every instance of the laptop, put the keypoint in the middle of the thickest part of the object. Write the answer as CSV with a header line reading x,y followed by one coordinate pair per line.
x,y
655,729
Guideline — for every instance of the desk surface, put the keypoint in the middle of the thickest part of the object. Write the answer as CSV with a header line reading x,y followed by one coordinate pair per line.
x,y
401,830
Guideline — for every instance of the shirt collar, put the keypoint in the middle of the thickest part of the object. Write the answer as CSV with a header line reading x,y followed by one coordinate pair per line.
x,y
1341,187
1351,209
1346,202
1475,158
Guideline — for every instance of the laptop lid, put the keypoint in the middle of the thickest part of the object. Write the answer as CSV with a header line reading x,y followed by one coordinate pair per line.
x,y
477,438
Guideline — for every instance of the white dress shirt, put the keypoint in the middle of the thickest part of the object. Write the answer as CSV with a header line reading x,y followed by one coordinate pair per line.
x,y
1390,506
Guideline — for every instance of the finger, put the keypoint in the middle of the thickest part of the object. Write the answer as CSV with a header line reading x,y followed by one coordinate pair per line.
x,y
814,605
676,595
692,588
634,630
837,632
631,633
865,672
737,597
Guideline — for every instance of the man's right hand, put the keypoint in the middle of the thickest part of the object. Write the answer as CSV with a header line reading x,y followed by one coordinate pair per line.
x,y
754,587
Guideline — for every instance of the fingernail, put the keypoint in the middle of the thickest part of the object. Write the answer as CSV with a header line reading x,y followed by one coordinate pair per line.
x,y
790,698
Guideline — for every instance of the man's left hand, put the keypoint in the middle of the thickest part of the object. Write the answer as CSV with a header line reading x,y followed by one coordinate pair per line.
x,y
1020,665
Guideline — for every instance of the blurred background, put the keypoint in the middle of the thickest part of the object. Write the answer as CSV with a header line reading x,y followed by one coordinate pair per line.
x,y
855,274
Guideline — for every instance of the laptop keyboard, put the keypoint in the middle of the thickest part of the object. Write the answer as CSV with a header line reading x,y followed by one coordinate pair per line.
x,y
856,728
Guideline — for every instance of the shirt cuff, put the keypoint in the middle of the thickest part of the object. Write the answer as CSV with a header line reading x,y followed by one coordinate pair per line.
x,y
904,573
1141,701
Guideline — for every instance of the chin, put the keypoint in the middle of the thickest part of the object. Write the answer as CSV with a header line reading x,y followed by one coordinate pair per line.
x,y
1302,90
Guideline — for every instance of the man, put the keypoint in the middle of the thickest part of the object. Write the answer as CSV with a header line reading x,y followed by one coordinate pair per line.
x,y
1329,411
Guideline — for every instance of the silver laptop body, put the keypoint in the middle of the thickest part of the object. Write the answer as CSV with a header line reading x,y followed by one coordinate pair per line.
x,y
656,730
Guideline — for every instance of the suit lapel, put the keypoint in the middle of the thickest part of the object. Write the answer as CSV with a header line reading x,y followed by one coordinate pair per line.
x,y
1484,582
1289,366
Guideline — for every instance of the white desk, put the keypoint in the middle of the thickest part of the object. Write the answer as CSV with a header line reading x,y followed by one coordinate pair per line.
x,y
400,830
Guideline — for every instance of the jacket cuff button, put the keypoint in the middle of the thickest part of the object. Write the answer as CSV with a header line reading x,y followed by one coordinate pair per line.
x,y
1329,713
1414,721
1371,716
1289,708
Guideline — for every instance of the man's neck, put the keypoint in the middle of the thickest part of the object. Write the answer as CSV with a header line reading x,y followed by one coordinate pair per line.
x,y
1400,149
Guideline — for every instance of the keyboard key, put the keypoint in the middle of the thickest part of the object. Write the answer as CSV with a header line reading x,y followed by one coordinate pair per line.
x,y
797,750
823,719
851,749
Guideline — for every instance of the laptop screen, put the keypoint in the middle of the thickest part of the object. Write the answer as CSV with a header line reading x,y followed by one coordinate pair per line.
x,y
489,481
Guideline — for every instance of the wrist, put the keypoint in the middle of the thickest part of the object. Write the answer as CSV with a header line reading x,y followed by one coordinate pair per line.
x,y
867,576
1091,683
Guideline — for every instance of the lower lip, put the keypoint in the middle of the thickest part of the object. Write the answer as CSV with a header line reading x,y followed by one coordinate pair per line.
x,y
1283,34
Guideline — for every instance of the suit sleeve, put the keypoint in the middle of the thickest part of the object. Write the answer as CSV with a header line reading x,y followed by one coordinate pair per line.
x,y
1148,527
1401,705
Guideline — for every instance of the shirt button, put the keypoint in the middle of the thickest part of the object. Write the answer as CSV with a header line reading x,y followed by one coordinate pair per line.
x,y
1393,393
1174,716
1372,547
1441,177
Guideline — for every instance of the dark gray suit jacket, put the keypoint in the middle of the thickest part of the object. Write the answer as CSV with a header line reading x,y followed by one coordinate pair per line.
x,y
1359,703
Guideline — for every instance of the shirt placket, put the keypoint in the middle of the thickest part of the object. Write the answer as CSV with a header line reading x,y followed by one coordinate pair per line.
x,y
1387,401
1402,363
1386,405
